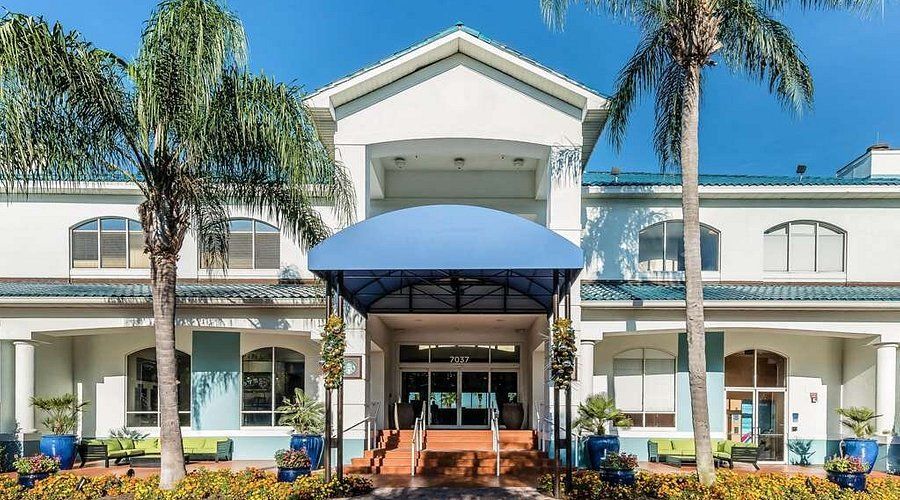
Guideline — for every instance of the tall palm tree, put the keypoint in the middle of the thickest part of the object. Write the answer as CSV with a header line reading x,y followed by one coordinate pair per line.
x,y
680,40
187,124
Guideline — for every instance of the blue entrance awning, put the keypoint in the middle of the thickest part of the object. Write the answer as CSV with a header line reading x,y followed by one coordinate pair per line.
x,y
447,258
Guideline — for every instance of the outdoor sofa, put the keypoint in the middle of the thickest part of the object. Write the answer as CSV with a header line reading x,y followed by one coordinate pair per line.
x,y
121,449
724,451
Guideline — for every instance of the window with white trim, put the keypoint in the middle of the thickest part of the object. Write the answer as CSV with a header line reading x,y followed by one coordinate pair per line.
x,y
644,386
268,376
804,246
109,243
142,407
661,247
252,244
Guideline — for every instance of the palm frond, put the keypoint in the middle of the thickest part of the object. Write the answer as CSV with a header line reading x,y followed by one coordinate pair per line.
x,y
555,11
669,107
640,76
764,49
62,106
187,46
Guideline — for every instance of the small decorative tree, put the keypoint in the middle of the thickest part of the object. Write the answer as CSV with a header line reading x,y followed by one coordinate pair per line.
x,y
304,413
859,419
62,412
597,411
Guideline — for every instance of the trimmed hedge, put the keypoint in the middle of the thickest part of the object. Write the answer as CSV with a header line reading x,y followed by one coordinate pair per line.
x,y
251,484
587,485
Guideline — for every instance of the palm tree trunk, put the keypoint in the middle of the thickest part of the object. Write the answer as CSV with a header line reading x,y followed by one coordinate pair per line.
x,y
693,282
163,276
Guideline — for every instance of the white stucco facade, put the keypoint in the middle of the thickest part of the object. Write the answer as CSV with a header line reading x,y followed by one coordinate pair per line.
x,y
459,119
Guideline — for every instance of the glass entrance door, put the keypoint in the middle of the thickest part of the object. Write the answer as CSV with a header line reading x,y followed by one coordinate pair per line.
x,y
757,416
444,398
474,399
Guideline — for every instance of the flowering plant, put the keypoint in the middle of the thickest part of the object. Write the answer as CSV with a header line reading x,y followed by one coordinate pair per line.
x,y
334,343
36,464
620,461
562,355
292,459
845,465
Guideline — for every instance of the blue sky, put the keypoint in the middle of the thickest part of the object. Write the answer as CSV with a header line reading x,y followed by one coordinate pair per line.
x,y
855,61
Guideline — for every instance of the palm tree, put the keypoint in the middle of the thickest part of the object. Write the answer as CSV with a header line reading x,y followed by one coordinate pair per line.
x,y
187,124
680,40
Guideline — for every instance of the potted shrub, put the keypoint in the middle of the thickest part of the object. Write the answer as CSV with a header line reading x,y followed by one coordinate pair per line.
x,y
307,416
62,421
860,420
512,413
292,464
34,468
619,468
594,414
847,472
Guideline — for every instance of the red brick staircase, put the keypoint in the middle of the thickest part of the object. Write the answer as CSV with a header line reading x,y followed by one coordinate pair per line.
x,y
453,453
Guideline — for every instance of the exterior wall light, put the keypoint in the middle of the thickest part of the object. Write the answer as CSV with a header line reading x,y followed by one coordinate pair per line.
x,y
400,162
459,163
518,162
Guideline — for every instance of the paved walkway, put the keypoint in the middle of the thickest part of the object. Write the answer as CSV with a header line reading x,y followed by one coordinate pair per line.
x,y
455,493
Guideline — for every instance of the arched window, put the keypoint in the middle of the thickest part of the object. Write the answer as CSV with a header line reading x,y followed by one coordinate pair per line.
x,y
108,242
644,386
661,247
142,408
804,246
269,375
252,244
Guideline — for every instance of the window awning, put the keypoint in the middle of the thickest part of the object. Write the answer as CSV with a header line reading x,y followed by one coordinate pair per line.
x,y
447,258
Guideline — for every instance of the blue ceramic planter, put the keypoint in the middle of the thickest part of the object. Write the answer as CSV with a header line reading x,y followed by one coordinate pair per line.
x,y
61,446
855,481
618,477
291,475
597,447
312,443
27,480
866,450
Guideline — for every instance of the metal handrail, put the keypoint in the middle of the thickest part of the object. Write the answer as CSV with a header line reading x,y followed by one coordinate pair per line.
x,y
418,431
495,436
546,422
371,422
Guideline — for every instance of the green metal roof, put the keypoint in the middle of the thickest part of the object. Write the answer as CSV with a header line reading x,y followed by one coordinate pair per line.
x,y
123,291
465,29
649,179
597,291
630,291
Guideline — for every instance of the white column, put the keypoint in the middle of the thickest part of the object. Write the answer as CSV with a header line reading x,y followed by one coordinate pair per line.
x,y
586,367
885,386
24,385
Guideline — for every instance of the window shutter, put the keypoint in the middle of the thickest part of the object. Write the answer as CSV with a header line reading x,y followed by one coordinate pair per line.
x,y
268,251
627,384
84,249
112,249
138,259
240,251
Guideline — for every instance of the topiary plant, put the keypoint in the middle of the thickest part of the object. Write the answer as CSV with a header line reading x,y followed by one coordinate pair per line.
x,y
304,413
62,412
859,419
597,411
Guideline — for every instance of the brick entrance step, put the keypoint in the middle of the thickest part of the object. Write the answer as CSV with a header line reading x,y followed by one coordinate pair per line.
x,y
453,453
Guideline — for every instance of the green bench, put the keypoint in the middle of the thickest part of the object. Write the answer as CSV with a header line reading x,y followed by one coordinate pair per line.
x,y
724,451
121,449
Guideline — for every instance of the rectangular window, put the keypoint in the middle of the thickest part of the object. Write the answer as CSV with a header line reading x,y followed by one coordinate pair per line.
x,y
268,251
830,250
674,247
802,251
644,387
240,251
112,248
84,249
650,249
775,247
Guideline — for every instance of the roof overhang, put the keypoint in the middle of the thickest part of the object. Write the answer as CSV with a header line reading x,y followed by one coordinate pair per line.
x,y
459,40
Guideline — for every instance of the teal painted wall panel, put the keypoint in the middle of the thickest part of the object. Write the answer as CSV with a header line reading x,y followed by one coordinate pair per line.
x,y
215,381
715,383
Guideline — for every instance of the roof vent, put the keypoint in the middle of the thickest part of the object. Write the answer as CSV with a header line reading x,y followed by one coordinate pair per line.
x,y
801,169
615,171
879,146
